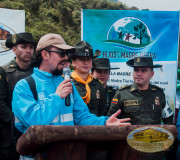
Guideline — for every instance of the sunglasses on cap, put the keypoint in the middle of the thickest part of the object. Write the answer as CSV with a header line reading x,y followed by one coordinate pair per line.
x,y
62,53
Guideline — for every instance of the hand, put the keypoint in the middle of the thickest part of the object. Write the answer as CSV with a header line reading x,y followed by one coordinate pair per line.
x,y
113,121
64,88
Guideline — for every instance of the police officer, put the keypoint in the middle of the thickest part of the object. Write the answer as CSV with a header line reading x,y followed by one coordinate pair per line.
x,y
142,102
22,45
101,70
91,90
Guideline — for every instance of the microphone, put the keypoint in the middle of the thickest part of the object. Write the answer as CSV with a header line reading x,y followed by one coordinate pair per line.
x,y
66,72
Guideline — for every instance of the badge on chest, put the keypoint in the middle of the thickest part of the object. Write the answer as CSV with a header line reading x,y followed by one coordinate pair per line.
x,y
131,103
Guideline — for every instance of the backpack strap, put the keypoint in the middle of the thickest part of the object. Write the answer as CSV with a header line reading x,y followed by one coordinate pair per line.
x,y
32,86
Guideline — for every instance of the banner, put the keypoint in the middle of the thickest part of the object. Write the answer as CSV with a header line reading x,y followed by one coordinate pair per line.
x,y
11,22
122,35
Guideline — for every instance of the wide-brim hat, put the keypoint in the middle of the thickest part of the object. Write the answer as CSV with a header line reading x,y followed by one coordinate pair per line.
x,y
19,38
55,40
142,62
102,63
84,49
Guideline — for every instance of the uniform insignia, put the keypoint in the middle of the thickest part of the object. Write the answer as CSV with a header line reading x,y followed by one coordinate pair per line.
x,y
114,100
86,52
138,60
98,94
0,77
101,81
131,103
11,66
157,101
133,89
14,38
125,86
109,90
153,89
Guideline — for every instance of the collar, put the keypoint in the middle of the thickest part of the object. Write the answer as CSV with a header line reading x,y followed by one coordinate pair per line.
x,y
135,88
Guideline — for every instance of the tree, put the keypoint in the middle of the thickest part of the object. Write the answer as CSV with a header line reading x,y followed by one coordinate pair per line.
x,y
62,17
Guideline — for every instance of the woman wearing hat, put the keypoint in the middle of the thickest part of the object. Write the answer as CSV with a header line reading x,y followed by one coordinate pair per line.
x,y
101,70
90,89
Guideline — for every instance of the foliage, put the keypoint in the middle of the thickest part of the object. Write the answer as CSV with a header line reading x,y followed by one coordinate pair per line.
x,y
58,16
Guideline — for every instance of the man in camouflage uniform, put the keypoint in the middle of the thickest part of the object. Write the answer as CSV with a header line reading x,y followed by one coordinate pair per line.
x,y
101,70
142,102
22,45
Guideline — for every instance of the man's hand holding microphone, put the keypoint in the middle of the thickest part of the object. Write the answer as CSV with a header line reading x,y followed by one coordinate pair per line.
x,y
65,88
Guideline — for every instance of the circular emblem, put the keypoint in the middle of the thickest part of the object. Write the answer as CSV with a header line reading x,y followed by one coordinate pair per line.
x,y
5,31
14,38
150,139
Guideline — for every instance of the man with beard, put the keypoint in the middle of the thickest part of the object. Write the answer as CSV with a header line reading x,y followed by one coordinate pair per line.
x,y
49,109
22,45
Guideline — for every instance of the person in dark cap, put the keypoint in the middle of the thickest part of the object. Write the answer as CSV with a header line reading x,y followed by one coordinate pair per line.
x,y
101,70
142,102
91,90
22,45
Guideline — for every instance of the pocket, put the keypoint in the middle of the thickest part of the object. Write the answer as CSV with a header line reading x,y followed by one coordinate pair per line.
x,y
157,108
131,109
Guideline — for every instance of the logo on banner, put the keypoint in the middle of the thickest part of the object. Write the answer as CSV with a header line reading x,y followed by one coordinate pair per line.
x,y
129,32
150,139
5,31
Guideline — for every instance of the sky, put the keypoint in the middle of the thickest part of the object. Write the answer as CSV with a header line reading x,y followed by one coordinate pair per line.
x,y
154,5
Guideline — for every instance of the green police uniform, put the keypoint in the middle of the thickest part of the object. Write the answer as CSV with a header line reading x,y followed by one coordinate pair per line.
x,y
143,107
10,74
97,100
104,64
110,92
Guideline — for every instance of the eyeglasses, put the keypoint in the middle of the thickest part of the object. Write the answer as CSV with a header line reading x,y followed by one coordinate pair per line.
x,y
62,53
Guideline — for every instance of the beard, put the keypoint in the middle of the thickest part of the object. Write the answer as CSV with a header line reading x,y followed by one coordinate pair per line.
x,y
57,72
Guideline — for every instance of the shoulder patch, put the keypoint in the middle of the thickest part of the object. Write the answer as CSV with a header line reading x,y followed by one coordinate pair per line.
x,y
114,100
11,66
123,87
154,88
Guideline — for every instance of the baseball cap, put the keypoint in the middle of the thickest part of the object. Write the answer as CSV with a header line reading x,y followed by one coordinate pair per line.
x,y
52,39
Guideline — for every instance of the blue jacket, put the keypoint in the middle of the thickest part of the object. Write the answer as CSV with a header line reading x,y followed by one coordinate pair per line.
x,y
50,109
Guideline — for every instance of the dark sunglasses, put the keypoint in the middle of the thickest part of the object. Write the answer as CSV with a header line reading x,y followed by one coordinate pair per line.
x,y
61,53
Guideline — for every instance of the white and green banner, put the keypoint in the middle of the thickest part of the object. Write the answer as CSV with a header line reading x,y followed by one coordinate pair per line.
x,y
124,34
11,22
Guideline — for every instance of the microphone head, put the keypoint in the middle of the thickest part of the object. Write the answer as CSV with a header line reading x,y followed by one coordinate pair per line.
x,y
66,71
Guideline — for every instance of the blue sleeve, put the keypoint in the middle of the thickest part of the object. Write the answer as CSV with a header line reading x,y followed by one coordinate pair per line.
x,y
81,113
178,126
29,111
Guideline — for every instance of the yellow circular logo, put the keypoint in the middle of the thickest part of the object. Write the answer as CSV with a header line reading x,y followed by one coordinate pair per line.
x,y
150,139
